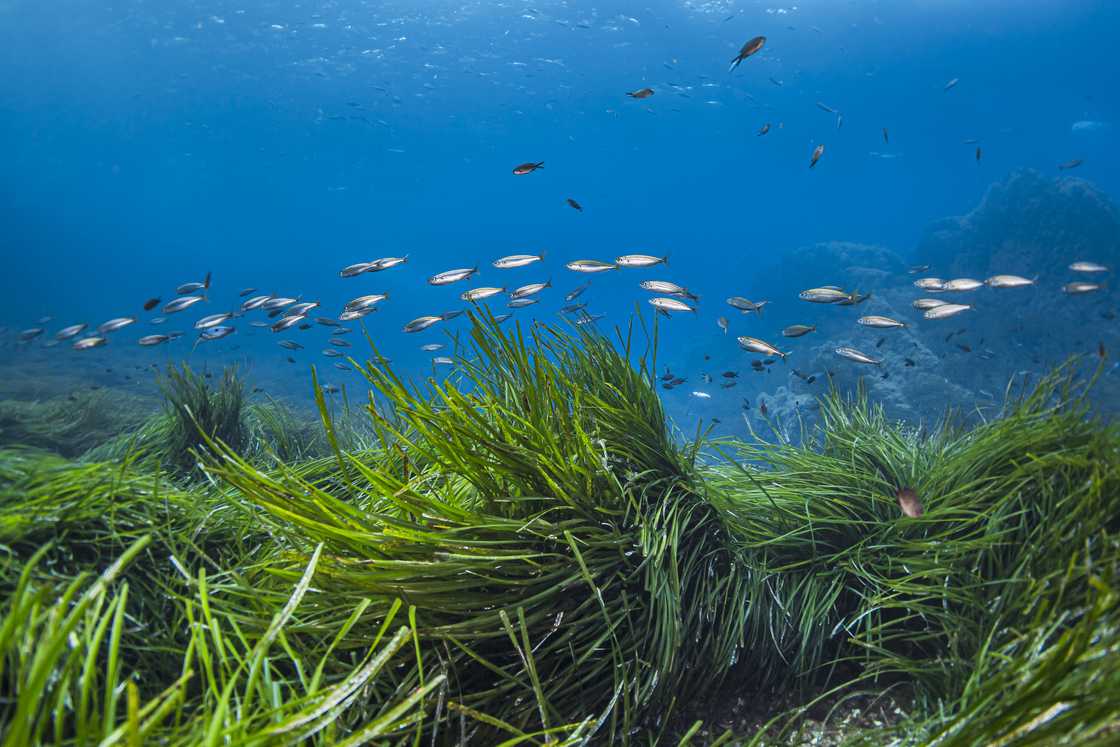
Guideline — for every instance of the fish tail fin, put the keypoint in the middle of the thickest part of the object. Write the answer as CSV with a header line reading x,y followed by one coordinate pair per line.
x,y
665,260
206,282
539,165
734,63
540,257
548,283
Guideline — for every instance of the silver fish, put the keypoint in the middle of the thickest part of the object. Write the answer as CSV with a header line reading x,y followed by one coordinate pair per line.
x,y
259,323
930,284
255,302
182,303
670,304
332,353
1087,267
825,294
290,345
350,315
745,305
87,343
213,320
287,323
517,260
431,347
501,318
589,319
186,288
530,289
754,345
385,263
246,291
301,308
478,294
214,333
67,332
157,320
854,355
421,323
148,341
880,322
640,260
30,334
946,310
354,270
518,303
449,315
342,367
278,302
452,276
961,284
573,308
114,324
721,322
339,342
1078,288
589,265
364,302
1009,281
443,360
667,288
924,304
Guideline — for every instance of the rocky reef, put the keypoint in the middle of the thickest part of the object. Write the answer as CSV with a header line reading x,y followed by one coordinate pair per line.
x,y
1028,225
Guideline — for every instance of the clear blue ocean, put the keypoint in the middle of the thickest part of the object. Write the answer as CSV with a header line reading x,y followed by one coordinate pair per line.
x,y
274,143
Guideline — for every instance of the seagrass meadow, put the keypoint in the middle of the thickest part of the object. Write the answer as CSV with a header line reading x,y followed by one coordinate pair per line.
x,y
526,552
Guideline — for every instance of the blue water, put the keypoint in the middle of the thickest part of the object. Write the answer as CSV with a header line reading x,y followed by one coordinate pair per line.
x,y
272,143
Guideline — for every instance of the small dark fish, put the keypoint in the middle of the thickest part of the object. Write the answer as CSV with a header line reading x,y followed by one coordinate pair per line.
x,y
730,374
291,359
678,381
748,49
979,154
668,376
964,348
575,205
909,503
886,137
1101,352
810,380
527,168
765,129
641,93
246,291
151,303
909,362
762,408
728,384
574,294
880,343
666,385
1070,164
817,153
716,421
